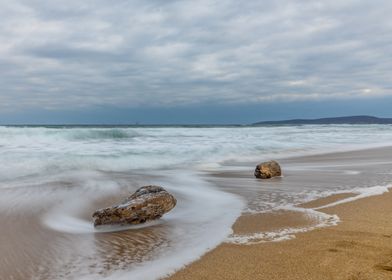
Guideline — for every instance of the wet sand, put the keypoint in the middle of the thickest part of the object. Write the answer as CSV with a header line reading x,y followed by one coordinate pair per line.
x,y
358,248
31,250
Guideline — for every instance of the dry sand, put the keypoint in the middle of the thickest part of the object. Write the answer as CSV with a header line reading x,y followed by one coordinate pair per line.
x,y
358,248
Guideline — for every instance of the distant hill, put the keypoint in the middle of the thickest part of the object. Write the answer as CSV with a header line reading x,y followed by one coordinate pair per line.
x,y
338,120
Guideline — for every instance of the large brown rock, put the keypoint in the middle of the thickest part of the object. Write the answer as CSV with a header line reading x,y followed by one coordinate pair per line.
x,y
268,170
147,203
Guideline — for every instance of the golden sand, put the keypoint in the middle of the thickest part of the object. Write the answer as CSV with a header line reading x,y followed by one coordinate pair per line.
x,y
253,223
359,248
326,200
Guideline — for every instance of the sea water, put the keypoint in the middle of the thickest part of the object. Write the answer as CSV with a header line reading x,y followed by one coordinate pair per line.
x,y
59,175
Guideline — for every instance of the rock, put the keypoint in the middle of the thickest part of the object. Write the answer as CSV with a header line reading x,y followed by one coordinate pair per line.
x,y
268,170
146,204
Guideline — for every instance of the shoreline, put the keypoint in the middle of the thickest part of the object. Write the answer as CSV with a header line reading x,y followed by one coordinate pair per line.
x,y
359,247
44,226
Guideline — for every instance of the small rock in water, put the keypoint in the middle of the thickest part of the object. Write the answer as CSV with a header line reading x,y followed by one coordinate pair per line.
x,y
268,170
146,204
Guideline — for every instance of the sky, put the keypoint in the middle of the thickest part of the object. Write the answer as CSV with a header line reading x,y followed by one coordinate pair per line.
x,y
164,61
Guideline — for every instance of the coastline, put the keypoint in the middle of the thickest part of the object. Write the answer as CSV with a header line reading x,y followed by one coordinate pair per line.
x,y
359,247
47,231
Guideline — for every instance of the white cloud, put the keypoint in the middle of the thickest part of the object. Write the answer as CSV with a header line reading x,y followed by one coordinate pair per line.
x,y
168,50
130,53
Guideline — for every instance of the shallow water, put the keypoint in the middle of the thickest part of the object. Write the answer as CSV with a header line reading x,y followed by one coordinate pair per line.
x,y
52,179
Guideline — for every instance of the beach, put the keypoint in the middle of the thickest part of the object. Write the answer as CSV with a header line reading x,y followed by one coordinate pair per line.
x,y
195,140
358,247
327,217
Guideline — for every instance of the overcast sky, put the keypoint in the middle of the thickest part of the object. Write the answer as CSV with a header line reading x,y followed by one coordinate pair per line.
x,y
193,61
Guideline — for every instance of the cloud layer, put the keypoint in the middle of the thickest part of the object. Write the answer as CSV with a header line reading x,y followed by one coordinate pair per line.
x,y
81,54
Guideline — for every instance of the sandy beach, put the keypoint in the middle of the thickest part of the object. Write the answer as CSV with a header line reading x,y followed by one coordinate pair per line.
x,y
150,140
227,224
358,248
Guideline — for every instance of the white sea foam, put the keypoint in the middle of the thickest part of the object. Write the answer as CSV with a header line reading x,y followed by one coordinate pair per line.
x,y
60,171
192,243
70,224
360,193
207,215
32,151
319,218
201,220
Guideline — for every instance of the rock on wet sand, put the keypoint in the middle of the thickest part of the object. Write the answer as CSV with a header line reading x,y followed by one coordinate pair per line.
x,y
269,169
146,204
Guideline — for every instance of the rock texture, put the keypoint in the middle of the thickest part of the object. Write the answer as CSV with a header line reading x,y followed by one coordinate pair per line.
x,y
147,203
268,170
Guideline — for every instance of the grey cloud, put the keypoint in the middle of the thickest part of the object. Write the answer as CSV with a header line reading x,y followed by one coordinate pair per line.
x,y
164,53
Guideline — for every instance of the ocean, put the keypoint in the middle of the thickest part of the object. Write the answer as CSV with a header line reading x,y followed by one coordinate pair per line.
x,y
53,178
